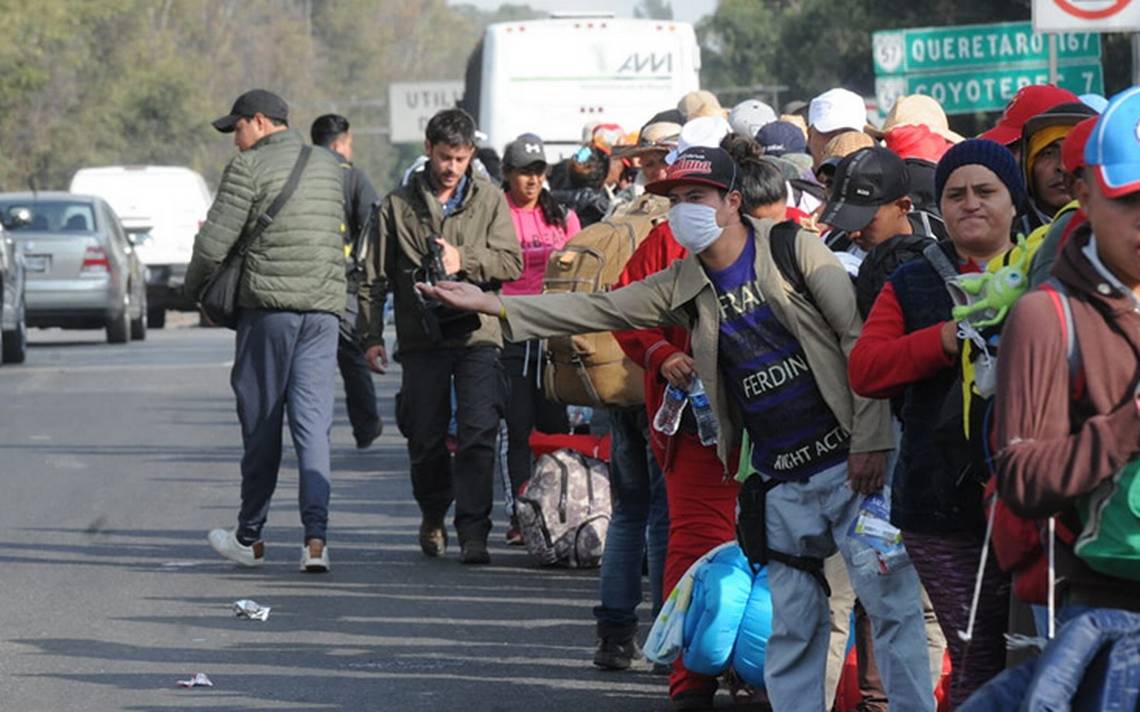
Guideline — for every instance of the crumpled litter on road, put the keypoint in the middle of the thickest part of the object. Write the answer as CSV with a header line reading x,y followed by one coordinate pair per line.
x,y
246,608
199,680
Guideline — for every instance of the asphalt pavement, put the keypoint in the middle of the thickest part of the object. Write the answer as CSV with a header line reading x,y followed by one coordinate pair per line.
x,y
116,460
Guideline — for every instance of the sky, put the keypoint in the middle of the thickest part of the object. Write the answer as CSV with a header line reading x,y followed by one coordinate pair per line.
x,y
685,10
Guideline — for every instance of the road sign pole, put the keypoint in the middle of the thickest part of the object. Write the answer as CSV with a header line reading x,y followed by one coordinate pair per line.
x,y
1052,57
1136,58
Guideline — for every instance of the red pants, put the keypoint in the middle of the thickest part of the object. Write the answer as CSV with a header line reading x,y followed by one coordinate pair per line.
x,y
702,514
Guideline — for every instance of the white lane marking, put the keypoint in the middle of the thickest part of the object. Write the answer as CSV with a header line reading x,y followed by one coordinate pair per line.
x,y
110,367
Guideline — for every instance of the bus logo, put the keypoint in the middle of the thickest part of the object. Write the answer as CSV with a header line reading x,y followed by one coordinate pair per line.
x,y
653,62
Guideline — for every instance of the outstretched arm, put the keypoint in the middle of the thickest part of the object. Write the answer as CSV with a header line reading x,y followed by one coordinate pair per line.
x,y
640,305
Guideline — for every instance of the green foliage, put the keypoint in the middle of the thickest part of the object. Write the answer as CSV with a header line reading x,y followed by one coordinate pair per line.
x,y
138,81
812,45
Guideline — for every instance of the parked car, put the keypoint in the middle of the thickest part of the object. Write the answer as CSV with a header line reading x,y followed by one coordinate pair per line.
x,y
171,202
83,271
13,304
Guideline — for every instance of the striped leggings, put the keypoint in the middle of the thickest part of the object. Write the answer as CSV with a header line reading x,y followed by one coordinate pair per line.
x,y
947,565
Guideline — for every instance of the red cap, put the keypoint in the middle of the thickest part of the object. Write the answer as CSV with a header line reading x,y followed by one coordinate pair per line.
x,y
916,141
1073,148
1028,102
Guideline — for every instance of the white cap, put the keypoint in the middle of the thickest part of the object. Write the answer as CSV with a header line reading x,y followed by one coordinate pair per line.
x,y
837,109
748,117
707,131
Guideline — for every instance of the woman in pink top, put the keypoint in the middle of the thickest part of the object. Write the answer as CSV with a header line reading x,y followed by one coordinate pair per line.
x,y
542,226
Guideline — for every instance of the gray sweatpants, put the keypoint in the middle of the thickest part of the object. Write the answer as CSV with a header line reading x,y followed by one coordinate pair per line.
x,y
812,519
285,361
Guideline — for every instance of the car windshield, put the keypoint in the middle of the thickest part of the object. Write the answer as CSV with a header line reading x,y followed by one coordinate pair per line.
x,y
48,216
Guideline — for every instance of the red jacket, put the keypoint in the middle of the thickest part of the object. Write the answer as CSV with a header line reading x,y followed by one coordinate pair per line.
x,y
886,358
650,347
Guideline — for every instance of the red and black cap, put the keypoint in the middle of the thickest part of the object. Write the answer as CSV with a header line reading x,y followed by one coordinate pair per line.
x,y
864,181
699,165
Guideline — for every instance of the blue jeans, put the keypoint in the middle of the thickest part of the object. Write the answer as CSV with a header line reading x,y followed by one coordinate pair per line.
x,y
285,362
639,526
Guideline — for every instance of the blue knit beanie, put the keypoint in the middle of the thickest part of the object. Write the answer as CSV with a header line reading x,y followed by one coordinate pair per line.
x,y
981,152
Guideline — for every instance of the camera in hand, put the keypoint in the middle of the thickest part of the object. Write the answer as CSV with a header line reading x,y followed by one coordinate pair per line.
x,y
440,321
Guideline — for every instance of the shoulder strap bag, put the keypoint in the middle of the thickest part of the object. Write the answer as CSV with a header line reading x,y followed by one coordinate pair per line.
x,y
219,294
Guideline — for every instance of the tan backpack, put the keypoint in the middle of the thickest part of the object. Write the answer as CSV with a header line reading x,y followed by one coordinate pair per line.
x,y
591,369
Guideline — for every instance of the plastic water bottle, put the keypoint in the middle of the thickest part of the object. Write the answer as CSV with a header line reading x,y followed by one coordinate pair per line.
x,y
702,411
668,417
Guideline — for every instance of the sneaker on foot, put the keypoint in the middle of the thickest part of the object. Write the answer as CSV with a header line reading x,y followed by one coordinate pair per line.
x,y
225,542
315,557
474,551
433,538
364,442
616,653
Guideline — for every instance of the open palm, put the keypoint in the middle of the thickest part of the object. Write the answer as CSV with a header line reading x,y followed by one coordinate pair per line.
x,y
461,295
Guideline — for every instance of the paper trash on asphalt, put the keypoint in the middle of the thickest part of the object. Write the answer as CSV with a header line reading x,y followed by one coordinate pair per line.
x,y
199,680
245,608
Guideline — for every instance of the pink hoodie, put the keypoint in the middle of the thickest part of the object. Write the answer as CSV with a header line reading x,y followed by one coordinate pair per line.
x,y
537,239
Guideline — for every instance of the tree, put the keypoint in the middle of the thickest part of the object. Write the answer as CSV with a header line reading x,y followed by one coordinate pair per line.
x,y
813,45
137,81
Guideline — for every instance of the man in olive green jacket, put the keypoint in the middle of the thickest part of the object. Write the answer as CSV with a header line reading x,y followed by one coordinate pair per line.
x,y
773,360
290,297
466,220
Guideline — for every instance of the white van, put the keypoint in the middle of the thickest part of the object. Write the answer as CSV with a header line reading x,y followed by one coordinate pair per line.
x,y
554,76
168,202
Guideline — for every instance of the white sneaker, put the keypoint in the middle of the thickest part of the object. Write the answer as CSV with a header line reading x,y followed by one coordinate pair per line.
x,y
315,557
225,542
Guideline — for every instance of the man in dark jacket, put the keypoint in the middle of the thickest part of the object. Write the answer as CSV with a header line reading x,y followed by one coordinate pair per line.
x,y
446,223
290,297
331,131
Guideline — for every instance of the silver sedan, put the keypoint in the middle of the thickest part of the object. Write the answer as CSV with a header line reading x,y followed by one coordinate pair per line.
x,y
82,270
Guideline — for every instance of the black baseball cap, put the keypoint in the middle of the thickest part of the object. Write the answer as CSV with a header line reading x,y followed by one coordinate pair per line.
x,y
526,150
254,101
864,181
700,165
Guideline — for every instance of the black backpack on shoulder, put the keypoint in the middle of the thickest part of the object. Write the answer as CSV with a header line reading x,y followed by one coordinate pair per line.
x,y
881,262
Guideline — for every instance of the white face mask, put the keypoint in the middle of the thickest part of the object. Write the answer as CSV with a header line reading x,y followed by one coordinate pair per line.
x,y
694,226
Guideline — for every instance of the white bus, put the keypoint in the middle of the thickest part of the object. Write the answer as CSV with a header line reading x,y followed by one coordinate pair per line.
x,y
554,76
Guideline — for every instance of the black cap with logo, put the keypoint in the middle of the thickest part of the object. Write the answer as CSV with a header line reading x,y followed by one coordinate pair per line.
x,y
254,101
864,181
700,165
526,150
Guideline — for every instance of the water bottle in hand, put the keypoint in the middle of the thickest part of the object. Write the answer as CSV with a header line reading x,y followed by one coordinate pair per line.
x,y
702,411
668,417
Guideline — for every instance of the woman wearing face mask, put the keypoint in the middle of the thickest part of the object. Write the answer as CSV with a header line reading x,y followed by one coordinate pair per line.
x,y
542,226
773,363
910,346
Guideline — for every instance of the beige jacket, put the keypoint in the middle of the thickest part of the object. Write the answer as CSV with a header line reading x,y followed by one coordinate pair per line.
x,y
683,295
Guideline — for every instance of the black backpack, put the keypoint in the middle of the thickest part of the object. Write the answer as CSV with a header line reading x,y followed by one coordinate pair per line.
x,y
881,262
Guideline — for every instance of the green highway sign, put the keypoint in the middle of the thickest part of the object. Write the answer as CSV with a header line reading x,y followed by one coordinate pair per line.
x,y
1006,44
987,88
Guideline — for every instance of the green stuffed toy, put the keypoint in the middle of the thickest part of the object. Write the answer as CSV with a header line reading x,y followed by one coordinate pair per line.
x,y
985,298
